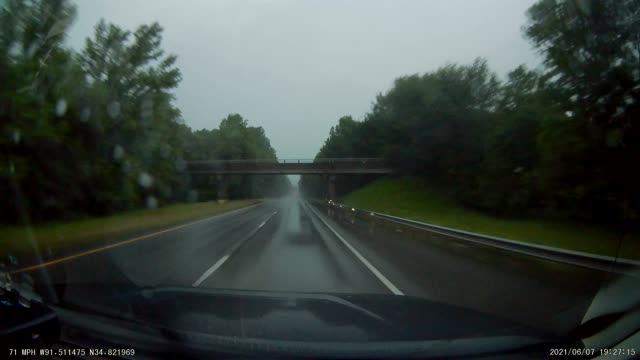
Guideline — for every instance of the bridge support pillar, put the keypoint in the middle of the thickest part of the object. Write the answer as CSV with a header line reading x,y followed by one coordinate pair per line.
x,y
223,186
331,183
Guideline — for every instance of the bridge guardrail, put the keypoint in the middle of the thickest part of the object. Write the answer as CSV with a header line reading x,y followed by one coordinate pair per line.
x,y
583,259
291,161
303,166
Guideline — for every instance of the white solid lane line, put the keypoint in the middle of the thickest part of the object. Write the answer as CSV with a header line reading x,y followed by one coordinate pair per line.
x,y
223,259
366,263
211,270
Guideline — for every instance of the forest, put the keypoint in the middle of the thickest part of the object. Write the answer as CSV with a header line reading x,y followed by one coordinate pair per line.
x,y
558,142
96,131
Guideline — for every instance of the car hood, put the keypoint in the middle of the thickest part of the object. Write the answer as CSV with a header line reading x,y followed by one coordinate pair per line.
x,y
305,316
193,322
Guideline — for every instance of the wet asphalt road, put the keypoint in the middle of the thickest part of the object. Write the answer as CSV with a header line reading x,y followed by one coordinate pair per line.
x,y
277,245
289,245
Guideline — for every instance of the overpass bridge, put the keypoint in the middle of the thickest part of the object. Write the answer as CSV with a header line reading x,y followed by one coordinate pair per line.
x,y
290,166
327,167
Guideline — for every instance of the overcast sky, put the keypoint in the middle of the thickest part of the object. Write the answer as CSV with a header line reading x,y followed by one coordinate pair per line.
x,y
296,67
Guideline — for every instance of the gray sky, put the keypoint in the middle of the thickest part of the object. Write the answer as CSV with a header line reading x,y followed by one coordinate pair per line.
x,y
296,67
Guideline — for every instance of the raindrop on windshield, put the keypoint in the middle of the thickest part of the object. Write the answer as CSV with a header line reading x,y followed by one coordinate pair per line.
x,y
146,110
61,107
181,164
14,50
126,167
165,151
31,51
16,136
85,114
113,109
118,152
152,202
192,196
145,180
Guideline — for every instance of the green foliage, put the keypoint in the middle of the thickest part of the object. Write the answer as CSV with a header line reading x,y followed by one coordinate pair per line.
x,y
592,50
234,140
507,175
425,125
592,47
416,199
558,143
96,132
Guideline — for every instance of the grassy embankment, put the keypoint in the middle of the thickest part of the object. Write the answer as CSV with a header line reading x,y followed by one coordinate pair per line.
x,y
414,199
59,235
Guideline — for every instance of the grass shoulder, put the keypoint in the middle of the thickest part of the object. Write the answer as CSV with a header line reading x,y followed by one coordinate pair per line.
x,y
69,234
412,198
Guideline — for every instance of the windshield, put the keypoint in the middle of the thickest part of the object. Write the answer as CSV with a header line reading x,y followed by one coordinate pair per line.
x,y
473,161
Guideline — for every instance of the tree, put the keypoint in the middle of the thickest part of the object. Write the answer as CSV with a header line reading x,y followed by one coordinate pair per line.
x,y
432,122
508,177
592,48
130,101
236,140
37,93
592,51
561,142
97,132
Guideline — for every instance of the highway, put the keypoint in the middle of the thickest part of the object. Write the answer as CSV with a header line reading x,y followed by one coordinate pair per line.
x,y
289,245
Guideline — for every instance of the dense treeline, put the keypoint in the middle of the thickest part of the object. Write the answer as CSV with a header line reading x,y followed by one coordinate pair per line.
x,y
96,132
561,142
233,139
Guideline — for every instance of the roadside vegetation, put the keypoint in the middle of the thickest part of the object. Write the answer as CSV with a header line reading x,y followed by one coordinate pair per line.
x,y
413,198
54,236
95,132
551,149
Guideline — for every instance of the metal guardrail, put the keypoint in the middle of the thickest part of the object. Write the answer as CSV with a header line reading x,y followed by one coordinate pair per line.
x,y
583,259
